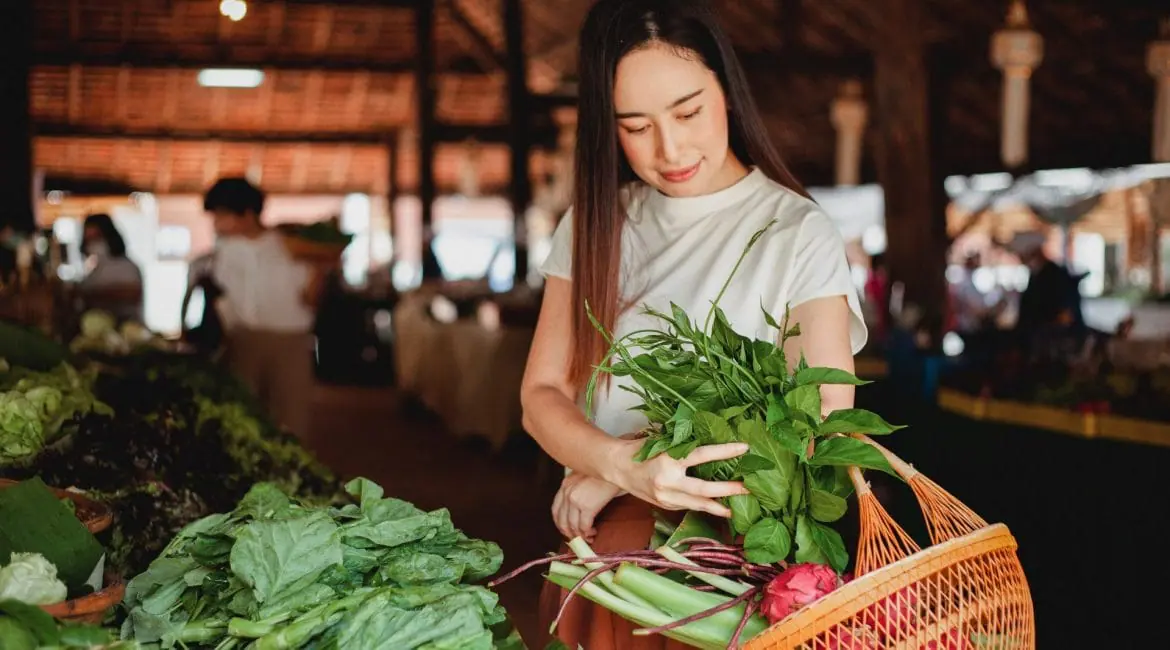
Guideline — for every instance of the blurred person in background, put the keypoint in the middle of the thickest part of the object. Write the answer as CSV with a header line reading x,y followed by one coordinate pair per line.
x,y
113,282
1050,307
267,303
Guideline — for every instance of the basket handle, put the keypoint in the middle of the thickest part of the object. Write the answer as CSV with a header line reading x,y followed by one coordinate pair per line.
x,y
882,540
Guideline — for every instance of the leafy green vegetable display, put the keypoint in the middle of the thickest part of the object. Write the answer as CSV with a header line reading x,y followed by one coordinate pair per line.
x,y
184,439
374,573
322,232
35,408
27,627
710,385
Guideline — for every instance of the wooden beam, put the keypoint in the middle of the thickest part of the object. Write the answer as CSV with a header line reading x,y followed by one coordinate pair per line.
x,y
481,46
519,136
211,162
121,91
162,179
541,135
73,95
324,31
916,230
276,23
340,171
236,55
300,169
425,115
171,99
255,171
314,90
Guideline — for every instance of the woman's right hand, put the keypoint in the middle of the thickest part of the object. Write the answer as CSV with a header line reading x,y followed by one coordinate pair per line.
x,y
663,481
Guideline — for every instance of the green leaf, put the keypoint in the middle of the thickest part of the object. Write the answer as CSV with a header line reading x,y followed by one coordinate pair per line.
x,y
831,545
705,397
713,429
825,506
790,439
770,487
679,452
849,452
653,446
807,549
769,319
856,421
682,322
805,400
275,557
777,411
733,412
768,542
683,425
762,444
796,490
749,463
818,376
745,511
834,480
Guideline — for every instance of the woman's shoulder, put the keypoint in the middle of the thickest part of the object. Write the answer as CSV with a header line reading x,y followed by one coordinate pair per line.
x,y
786,214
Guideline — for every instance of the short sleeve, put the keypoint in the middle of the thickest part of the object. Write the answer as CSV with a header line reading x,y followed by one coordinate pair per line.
x,y
821,270
559,263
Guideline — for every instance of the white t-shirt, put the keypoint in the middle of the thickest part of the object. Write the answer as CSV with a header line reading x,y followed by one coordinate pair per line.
x,y
262,285
682,250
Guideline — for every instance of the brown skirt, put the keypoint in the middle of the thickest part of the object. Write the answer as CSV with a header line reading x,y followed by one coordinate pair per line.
x,y
625,525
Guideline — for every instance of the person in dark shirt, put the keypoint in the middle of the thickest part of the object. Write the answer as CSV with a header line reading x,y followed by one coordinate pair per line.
x,y
1051,304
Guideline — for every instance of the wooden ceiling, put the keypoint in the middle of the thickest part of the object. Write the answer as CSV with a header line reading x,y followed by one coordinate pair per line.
x,y
115,98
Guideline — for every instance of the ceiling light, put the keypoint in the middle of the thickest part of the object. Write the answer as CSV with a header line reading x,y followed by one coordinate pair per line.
x,y
234,9
230,78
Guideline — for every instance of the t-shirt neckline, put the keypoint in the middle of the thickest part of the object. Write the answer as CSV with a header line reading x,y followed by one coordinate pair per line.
x,y
695,207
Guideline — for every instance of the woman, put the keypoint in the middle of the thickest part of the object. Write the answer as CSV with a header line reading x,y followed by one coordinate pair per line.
x,y
675,172
114,283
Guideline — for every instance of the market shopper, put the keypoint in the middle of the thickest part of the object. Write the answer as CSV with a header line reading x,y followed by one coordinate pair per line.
x,y
675,172
267,305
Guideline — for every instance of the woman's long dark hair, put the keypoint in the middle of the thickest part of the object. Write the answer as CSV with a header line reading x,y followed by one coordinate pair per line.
x,y
613,29
110,234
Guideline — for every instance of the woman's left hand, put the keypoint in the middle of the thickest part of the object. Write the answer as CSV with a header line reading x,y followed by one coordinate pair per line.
x,y
578,503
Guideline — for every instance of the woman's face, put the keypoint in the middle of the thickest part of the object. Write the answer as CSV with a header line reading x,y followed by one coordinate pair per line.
x,y
672,122
92,234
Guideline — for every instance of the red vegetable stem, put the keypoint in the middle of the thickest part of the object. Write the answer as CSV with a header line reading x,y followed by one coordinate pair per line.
x,y
530,565
577,587
751,608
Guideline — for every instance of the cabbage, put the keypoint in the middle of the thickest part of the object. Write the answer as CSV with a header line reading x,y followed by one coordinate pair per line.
x,y
31,579
96,323
22,431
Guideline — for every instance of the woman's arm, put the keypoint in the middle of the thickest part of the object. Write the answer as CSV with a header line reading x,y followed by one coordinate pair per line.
x,y
552,417
550,412
824,341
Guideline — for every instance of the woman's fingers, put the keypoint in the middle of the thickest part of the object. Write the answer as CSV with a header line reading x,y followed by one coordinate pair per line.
x,y
711,489
709,453
700,504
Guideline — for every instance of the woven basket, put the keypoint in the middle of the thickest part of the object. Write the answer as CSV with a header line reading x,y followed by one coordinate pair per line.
x,y
965,592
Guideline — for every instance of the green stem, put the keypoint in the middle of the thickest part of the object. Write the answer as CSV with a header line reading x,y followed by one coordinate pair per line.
x,y
584,552
700,634
682,601
735,269
733,587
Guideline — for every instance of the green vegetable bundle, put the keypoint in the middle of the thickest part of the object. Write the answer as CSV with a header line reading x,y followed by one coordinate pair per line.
x,y
378,573
35,406
322,232
27,627
710,385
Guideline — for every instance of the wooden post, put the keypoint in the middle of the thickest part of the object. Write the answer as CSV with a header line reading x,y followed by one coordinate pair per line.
x,y
393,191
914,199
16,168
519,138
427,126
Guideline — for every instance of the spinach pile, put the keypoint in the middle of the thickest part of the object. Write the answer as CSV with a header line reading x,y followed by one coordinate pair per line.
x,y
710,385
38,407
275,573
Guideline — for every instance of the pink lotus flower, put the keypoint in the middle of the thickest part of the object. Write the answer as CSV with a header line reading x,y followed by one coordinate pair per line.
x,y
797,586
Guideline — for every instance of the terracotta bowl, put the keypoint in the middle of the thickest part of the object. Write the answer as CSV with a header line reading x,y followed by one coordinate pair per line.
x,y
95,515
91,609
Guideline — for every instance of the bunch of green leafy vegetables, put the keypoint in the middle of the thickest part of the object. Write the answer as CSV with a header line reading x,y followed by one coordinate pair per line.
x,y
275,573
39,407
710,385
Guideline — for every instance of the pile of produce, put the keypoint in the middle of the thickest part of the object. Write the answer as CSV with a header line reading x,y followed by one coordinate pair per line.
x,y
101,333
176,440
37,408
276,573
703,385
326,232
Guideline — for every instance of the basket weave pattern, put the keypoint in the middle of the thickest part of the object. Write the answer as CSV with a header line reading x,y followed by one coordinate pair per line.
x,y
965,592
